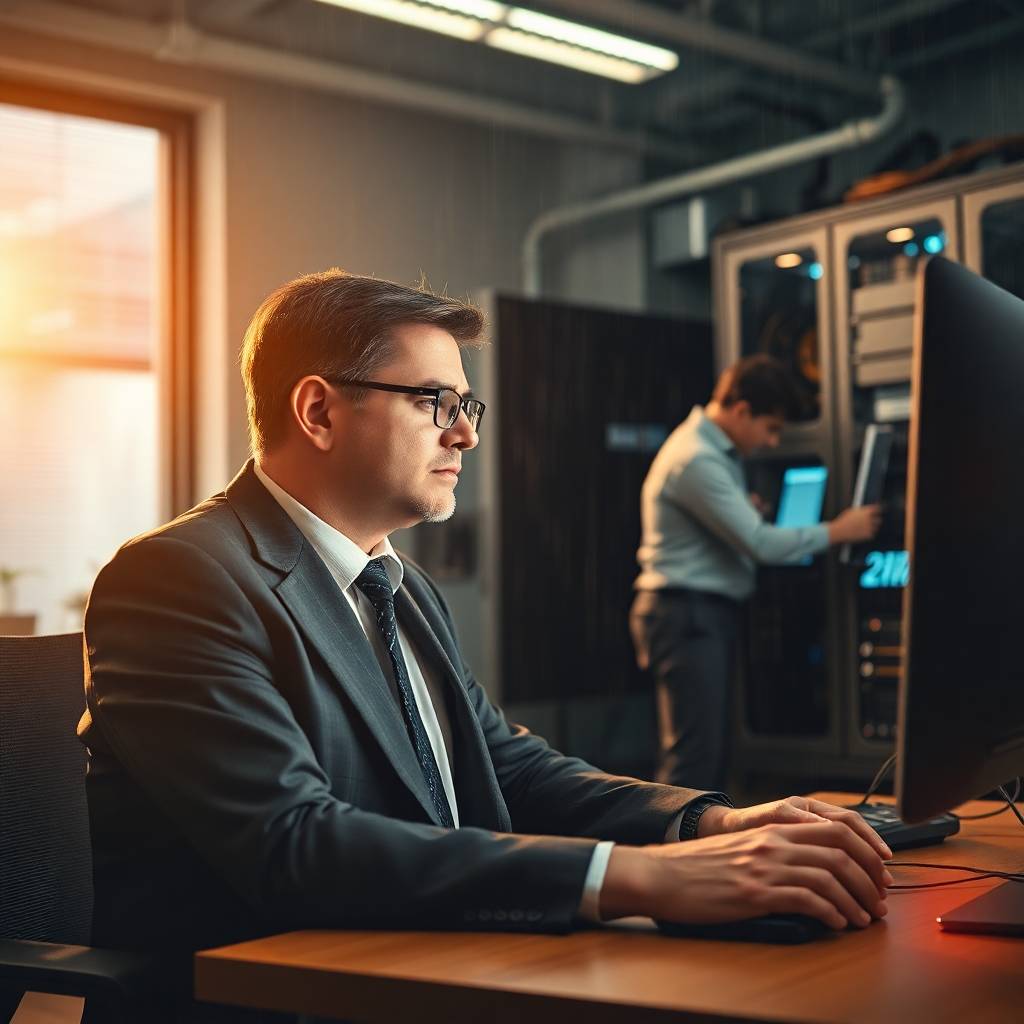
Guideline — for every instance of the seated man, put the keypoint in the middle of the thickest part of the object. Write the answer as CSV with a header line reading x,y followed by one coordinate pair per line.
x,y
283,733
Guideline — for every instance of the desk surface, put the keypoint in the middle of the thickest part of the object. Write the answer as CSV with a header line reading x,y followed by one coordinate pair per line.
x,y
901,969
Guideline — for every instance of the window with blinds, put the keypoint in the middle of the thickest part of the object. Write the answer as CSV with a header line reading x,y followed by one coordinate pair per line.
x,y
83,354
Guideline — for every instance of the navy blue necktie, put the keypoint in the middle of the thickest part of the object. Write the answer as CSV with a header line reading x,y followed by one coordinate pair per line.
x,y
373,581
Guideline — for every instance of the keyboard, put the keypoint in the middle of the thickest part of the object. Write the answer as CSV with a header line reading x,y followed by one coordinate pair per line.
x,y
885,820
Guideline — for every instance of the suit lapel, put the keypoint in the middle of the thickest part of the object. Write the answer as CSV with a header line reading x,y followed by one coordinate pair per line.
x,y
325,618
476,786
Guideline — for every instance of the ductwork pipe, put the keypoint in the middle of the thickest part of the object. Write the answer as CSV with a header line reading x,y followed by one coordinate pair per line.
x,y
848,136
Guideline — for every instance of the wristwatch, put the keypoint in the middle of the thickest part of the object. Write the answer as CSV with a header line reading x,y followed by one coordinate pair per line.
x,y
696,808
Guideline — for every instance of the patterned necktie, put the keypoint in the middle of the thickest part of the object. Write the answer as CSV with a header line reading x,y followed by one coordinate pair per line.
x,y
373,581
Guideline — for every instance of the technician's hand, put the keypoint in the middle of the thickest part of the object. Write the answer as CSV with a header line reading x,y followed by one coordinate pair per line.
x,y
791,811
855,525
823,869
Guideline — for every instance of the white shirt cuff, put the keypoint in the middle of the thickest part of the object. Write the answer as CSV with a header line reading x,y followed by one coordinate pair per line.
x,y
590,904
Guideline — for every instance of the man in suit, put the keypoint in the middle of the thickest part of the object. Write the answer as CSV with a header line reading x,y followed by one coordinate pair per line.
x,y
283,732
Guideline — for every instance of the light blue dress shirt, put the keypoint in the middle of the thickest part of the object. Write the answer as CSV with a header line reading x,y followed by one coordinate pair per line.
x,y
699,528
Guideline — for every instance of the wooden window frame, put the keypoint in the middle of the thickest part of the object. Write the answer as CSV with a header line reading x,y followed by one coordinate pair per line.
x,y
175,358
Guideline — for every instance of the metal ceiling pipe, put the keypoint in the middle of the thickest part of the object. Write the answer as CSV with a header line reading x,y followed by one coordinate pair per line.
x,y
665,26
847,136
181,43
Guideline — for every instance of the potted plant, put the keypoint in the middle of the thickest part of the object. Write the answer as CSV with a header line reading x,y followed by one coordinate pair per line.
x,y
12,623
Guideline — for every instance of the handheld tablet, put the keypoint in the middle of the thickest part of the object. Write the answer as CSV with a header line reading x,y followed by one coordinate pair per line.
x,y
874,463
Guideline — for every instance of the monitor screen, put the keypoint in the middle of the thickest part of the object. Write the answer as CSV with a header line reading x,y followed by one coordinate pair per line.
x,y
803,496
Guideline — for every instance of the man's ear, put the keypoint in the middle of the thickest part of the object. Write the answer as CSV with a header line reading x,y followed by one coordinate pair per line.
x,y
742,410
310,405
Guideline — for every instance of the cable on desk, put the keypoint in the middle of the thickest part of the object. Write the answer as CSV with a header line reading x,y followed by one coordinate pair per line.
x,y
976,874
1011,805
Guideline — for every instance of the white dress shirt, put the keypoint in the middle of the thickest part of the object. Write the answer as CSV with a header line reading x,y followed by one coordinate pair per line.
x,y
345,560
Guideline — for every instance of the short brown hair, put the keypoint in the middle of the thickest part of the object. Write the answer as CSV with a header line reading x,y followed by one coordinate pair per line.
x,y
336,325
763,382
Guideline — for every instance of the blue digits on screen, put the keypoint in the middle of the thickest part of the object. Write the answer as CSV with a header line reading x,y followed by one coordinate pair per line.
x,y
886,569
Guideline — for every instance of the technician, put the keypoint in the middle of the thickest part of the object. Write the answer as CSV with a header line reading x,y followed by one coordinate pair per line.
x,y
703,536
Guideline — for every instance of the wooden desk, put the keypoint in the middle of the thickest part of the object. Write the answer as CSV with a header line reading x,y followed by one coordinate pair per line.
x,y
903,969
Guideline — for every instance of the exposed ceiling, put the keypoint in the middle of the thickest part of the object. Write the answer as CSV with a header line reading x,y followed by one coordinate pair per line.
x,y
806,63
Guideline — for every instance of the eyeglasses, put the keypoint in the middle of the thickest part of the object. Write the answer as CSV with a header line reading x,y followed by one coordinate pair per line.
x,y
447,403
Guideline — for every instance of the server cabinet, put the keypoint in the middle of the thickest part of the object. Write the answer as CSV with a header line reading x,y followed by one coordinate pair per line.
x,y
876,258
841,720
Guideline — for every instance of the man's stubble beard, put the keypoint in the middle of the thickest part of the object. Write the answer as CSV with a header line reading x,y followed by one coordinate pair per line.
x,y
438,512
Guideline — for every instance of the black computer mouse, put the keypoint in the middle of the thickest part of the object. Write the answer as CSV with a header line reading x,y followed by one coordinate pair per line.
x,y
781,928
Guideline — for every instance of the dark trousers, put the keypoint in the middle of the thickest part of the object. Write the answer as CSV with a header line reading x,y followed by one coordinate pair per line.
x,y
687,641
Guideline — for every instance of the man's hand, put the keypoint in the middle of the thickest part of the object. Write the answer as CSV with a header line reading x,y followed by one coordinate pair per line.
x,y
855,525
794,856
791,811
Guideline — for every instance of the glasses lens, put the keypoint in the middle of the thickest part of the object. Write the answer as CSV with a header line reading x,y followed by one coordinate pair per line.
x,y
447,409
474,412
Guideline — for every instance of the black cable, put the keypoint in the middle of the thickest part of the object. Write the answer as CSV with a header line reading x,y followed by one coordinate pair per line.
x,y
977,874
1011,805
877,780
957,881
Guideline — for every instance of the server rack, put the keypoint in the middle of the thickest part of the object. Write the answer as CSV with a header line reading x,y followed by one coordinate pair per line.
x,y
832,294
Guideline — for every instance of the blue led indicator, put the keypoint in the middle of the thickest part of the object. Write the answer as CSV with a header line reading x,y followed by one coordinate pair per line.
x,y
933,244
815,271
911,249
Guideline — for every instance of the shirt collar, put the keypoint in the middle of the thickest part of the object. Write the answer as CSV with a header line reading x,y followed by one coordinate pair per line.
x,y
711,431
343,557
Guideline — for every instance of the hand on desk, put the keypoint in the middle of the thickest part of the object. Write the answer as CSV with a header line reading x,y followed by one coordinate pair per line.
x,y
795,856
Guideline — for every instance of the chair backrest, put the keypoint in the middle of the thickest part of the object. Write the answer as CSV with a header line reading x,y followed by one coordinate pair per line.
x,y
45,856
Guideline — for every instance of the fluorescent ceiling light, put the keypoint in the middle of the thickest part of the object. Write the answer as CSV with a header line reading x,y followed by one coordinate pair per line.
x,y
570,56
528,33
434,18
592,39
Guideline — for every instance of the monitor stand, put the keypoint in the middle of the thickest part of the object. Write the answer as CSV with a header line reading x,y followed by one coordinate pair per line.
x,y
1000,911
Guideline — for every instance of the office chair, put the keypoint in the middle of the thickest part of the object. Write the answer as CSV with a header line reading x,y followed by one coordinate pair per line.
x,y
45,857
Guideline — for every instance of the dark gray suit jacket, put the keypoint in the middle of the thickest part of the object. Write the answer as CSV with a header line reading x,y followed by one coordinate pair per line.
x,y
250,770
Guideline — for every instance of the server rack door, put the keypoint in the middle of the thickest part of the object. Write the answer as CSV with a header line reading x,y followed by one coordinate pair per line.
x,y
586,398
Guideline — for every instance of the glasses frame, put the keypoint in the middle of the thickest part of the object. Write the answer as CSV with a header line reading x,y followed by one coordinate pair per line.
x,y
435,393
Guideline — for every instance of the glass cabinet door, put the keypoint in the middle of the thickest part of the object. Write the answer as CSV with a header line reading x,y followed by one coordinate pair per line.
x,y
994,235
773,299
779,317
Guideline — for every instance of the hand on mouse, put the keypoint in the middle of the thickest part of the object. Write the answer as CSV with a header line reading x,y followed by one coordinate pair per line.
x,y
822,868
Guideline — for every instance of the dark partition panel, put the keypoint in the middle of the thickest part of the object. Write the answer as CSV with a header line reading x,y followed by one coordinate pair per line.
x,y
587,396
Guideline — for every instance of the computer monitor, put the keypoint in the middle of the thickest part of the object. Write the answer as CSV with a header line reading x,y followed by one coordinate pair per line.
x,y
961,698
